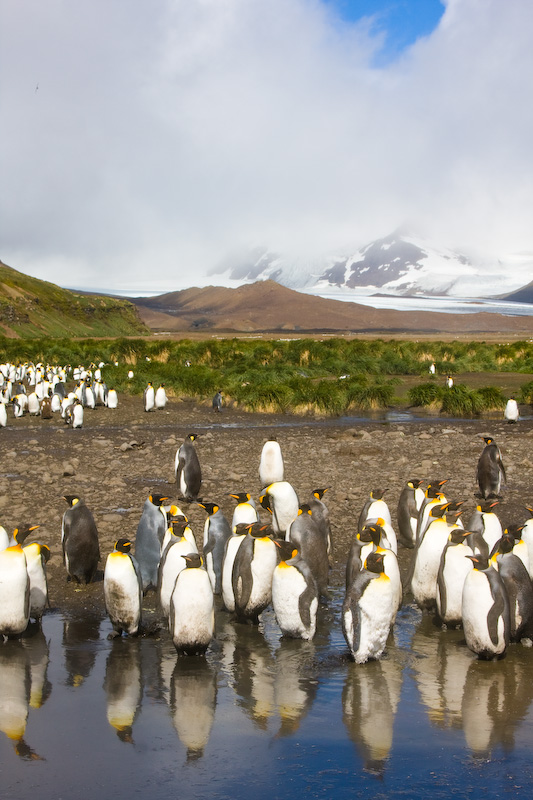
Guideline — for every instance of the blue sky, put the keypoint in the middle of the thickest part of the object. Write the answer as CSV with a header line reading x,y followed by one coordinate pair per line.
x,y
402,21
145,143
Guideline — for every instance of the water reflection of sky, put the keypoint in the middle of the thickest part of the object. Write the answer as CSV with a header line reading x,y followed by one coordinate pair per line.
x,y
260,717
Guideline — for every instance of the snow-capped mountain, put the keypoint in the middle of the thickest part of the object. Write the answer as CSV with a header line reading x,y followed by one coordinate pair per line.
x,y
397,265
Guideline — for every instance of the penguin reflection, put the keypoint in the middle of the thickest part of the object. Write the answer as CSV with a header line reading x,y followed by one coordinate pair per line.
x,y
294,687
38,655
253,672
193,693
123,686
497,696
80,653
369,702
15,682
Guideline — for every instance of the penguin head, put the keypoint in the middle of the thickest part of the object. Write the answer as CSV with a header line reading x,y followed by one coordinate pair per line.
x,y
488,439
458,535
192,436
71,499
178,525
241,497
287,550
439,511
377,494
157,499
21,534
45,552
241,528
305,509
504,545
529,509
123,546
375,562
414,483
514,532
372,533
193,561
258,530
211,508
486,506
479,561
319,493
264,501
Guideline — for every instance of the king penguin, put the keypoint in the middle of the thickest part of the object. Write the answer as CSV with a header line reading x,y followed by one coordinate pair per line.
x,y
149,538
81,549
149,397
294,594
37,556
453,569
192,611
160,398
427,558
271,467
14,589
485,611
187,469
312,544
490,469
245,510
374,507
172,562
320,513
253,567
230,552
517,583
484,528
123,590
217,531
511,413
409,503
282,501
368,610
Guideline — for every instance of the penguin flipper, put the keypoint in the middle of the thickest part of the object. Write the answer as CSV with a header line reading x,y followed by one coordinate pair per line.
x,y
304,603
441,584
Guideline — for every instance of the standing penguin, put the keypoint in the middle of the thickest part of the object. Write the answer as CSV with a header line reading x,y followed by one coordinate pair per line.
x,y
148,540
312,544
245,510
3,414
217,531
368,610
374,507
14,589
149,397
485,528
294,594
490,469
485,611
160,399
192,611
511,413
453,569
409,503
282,501
187,469
252,573
271,467
517,583
37,556
123,590
172,562
217,401
321,515
112,398
230,552
79,537
427,558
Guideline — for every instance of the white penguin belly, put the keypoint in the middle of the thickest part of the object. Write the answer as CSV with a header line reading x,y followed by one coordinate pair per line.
x,y
376,611
192,609
262,566
227,571
477,602
287,586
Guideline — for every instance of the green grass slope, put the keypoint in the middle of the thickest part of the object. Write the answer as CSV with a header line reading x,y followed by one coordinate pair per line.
x,y
31,308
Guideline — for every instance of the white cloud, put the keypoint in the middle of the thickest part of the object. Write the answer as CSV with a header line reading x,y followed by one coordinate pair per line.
x,y
164,135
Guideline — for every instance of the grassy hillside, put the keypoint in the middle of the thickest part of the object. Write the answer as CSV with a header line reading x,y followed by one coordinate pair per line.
x,y
31,308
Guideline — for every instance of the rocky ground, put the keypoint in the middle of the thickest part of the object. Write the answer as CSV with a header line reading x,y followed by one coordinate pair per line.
x,y
121,455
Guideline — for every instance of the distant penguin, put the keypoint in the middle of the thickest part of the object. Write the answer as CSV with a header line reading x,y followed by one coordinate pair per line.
x,y
374,507
254,564
149,397
112,398
130,374
485,611
367,611
432,368
14,589
271,467
187,469
217,401
217,531
148,540
77,415
490,469
123,590
192,613
160,399
282,501
3,415
453,568
37,556
409,503
79,538
449,382
312,544
294,594
46,408
34,404
511,413
245,510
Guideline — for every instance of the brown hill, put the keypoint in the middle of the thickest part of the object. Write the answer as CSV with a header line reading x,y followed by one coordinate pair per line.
x,y
268,307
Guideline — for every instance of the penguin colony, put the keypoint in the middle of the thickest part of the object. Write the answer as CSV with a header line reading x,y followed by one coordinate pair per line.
x,y
276,551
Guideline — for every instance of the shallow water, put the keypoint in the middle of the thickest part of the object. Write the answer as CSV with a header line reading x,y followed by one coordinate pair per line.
x,y
261,716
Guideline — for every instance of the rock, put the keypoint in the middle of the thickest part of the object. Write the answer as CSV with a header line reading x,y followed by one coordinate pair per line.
x,y
68,469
